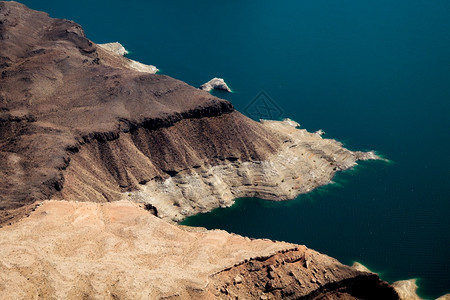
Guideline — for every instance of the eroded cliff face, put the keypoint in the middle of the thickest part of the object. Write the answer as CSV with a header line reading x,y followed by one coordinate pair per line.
x,y
302,162
78,123
196,165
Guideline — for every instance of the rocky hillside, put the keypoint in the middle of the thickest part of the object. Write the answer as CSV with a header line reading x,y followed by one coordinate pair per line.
x,y
79,122
58,93
76,123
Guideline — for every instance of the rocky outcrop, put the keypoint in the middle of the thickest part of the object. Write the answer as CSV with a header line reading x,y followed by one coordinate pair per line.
x,y
117,50
215,84
360,267
114,47
406,289
75,250
297,273
301,162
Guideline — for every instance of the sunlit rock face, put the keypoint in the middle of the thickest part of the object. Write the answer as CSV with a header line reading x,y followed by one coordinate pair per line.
x,y
215,84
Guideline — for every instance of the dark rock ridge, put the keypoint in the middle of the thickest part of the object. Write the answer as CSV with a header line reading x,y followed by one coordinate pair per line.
x,y
57,93
297,273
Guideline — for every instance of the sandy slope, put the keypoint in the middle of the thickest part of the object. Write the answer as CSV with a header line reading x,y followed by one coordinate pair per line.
x,y
85,250
68,250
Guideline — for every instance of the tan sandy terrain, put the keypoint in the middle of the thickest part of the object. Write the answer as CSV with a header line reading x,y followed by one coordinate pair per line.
x,y
81,250
68,250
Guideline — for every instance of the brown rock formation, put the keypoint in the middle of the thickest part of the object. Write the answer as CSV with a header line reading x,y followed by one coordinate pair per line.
x,y
77,122
59,91
298,273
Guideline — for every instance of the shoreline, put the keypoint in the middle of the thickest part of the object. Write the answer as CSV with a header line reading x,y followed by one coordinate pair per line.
x,y
101,130
306,196
407,289
305,162
118,250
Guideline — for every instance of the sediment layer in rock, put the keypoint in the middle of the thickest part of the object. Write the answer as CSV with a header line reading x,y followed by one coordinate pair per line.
x,y
58,91
301,162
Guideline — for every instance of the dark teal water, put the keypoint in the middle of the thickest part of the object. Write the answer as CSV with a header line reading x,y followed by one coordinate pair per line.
x,y
373,74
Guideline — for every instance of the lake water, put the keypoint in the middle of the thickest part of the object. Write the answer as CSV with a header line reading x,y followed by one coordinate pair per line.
x,y
372,74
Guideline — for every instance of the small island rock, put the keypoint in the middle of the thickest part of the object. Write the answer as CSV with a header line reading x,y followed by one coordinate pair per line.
x,y
216,84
